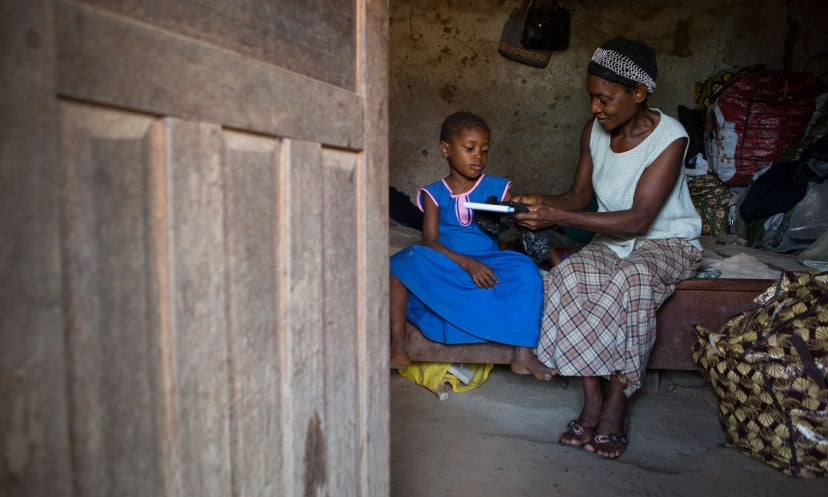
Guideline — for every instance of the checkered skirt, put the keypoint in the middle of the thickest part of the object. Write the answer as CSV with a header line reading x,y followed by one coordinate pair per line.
x,y
599,310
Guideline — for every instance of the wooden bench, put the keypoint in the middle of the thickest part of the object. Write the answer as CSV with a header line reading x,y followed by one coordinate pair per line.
x,y
707,302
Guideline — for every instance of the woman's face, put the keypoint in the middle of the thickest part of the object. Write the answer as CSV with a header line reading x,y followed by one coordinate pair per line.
x,y
611,104
467,152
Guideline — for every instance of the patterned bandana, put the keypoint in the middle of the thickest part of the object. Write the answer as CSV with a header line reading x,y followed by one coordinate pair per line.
x,y
626,62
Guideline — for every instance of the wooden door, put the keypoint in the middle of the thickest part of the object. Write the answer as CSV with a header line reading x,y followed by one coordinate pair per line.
x,y
194,248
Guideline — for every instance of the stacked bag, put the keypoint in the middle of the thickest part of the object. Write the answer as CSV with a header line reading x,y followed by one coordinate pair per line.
x,y
755,116
768,366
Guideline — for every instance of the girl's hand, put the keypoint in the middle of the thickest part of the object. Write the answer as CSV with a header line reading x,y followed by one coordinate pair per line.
x,y
481,274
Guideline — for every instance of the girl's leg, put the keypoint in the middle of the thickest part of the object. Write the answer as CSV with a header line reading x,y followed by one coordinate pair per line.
x,y
398,305
554,257
580,432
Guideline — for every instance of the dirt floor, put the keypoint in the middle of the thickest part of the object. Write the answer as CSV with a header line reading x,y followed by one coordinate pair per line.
x,y
501,440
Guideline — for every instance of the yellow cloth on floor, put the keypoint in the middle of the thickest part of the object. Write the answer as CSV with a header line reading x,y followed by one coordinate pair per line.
x,y
433,374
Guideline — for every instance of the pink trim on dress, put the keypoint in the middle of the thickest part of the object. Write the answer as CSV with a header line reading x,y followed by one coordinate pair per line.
x,y
464,216
420,199
467,192
505,190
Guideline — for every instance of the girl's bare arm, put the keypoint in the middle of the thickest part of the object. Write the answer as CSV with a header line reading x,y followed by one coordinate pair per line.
x,y
480,273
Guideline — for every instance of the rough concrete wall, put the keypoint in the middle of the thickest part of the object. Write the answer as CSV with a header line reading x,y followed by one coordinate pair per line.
x,y
443,58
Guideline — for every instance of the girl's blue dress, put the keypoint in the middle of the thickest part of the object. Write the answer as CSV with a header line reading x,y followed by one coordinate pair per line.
x,y
444,303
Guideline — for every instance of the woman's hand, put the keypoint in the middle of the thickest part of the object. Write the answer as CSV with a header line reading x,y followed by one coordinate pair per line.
x,y
529,199
539,216
480,273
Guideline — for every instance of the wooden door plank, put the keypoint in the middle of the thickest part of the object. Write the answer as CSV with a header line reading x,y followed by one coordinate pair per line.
x,y
339,271
277,33
109,60
112,352
301,321
197,279
372,238
251,168
33,428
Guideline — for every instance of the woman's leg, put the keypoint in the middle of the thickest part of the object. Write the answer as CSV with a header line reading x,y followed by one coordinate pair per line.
x,y
398,305
611,433
580,432
568,328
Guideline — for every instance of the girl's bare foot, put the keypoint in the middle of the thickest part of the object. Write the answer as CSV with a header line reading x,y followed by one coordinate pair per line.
x,y
399,359
525,361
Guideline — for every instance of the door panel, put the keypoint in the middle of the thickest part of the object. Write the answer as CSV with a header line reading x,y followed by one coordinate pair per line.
x,y
300,261
251,214
198,339
339,206
113,362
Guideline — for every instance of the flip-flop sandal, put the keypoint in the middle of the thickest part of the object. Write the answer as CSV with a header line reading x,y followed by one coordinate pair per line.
x,y
576,432
609,443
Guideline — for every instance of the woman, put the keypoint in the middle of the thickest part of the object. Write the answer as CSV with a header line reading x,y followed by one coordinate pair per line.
x,y
600,304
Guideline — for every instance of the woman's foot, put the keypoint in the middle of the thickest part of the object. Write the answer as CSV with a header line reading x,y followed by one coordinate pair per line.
x,y
525,361
576,434
610,446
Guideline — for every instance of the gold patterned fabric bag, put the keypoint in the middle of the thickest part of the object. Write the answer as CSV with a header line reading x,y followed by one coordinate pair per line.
x,y
768,366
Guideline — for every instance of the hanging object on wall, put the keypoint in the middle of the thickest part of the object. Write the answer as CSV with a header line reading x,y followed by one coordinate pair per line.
x,y
534,31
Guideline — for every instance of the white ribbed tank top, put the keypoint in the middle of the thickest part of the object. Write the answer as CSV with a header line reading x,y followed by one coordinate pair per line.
x,y
615,176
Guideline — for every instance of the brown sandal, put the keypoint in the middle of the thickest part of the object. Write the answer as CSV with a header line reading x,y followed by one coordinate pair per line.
x,y
576,434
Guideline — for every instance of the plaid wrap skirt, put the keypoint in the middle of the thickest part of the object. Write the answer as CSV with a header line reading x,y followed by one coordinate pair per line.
x,y
599,309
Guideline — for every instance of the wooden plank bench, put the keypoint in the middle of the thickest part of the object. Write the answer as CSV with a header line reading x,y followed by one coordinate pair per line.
x,y
707,302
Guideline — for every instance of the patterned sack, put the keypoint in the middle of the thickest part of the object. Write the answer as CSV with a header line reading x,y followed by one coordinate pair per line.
x,y
769,368
711,198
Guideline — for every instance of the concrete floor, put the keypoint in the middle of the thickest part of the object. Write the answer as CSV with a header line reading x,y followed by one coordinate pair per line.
x,y
501,439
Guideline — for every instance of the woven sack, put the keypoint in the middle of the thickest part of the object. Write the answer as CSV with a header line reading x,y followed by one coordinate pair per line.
x,y
768,366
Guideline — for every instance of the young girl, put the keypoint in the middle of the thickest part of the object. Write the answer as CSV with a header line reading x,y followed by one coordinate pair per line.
x,y
458,287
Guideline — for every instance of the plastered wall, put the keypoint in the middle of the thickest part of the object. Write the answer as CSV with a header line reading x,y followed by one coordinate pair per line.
x,y
443,58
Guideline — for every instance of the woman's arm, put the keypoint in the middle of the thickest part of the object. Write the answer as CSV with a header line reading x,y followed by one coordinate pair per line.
x,y
480,273
575,199
651,193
